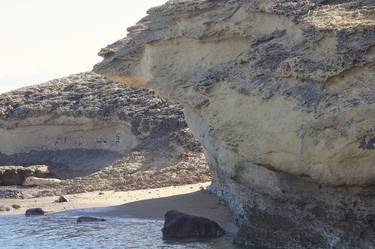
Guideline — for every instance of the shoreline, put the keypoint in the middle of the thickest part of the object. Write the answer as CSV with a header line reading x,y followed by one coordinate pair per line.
x,y
143,204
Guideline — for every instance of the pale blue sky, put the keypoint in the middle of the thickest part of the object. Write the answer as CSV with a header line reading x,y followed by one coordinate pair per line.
x,y
45,39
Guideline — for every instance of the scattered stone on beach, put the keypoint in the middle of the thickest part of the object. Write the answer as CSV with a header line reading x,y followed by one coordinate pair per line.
x,y
4,209
44,193
16,175
35,181
11,194
89,219
34,212
62,199
180,226
16,206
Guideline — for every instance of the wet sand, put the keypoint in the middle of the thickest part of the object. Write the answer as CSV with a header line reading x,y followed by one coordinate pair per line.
x,y
148,204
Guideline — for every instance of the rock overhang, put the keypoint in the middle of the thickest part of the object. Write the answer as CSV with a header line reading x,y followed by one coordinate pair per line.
x,y
280,54
281,96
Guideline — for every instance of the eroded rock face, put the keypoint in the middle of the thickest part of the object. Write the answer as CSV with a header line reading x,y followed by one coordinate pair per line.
x,y
281,94
81,123
16,175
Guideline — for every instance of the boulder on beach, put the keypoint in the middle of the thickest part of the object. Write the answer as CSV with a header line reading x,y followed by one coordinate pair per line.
x,y
16,175
61,199
34,212
180,226
84,219
16,206
35,181
4,209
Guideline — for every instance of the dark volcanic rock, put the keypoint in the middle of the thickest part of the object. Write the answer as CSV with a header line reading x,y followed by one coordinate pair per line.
x,y
34,212
89,219
180,226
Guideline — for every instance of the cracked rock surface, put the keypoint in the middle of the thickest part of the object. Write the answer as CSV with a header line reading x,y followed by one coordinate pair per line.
x,y
281,94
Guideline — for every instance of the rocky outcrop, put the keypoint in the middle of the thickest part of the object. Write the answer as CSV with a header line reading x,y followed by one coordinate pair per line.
x,y
16,175
281,95
81,123
96,135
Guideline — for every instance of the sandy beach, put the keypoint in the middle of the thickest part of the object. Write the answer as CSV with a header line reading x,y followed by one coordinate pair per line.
x,y
148,204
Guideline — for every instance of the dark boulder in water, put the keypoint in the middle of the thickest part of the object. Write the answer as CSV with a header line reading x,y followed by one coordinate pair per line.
x,y
34,212
89,219
180,226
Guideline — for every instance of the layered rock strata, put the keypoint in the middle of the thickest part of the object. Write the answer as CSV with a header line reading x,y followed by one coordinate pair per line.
x,y
16,175
281,94
82,123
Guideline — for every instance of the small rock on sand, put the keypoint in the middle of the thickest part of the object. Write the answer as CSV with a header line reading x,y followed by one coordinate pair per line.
x,y
4,209
62,199
16,206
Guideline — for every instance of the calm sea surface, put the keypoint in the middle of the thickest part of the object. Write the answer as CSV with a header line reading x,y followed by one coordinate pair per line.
x,y
62,231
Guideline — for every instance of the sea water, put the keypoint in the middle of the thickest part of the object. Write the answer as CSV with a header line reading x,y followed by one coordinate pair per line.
x,y
62,231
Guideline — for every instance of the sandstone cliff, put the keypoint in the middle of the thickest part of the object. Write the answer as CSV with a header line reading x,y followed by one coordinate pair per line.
x,y
83,123
281,94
